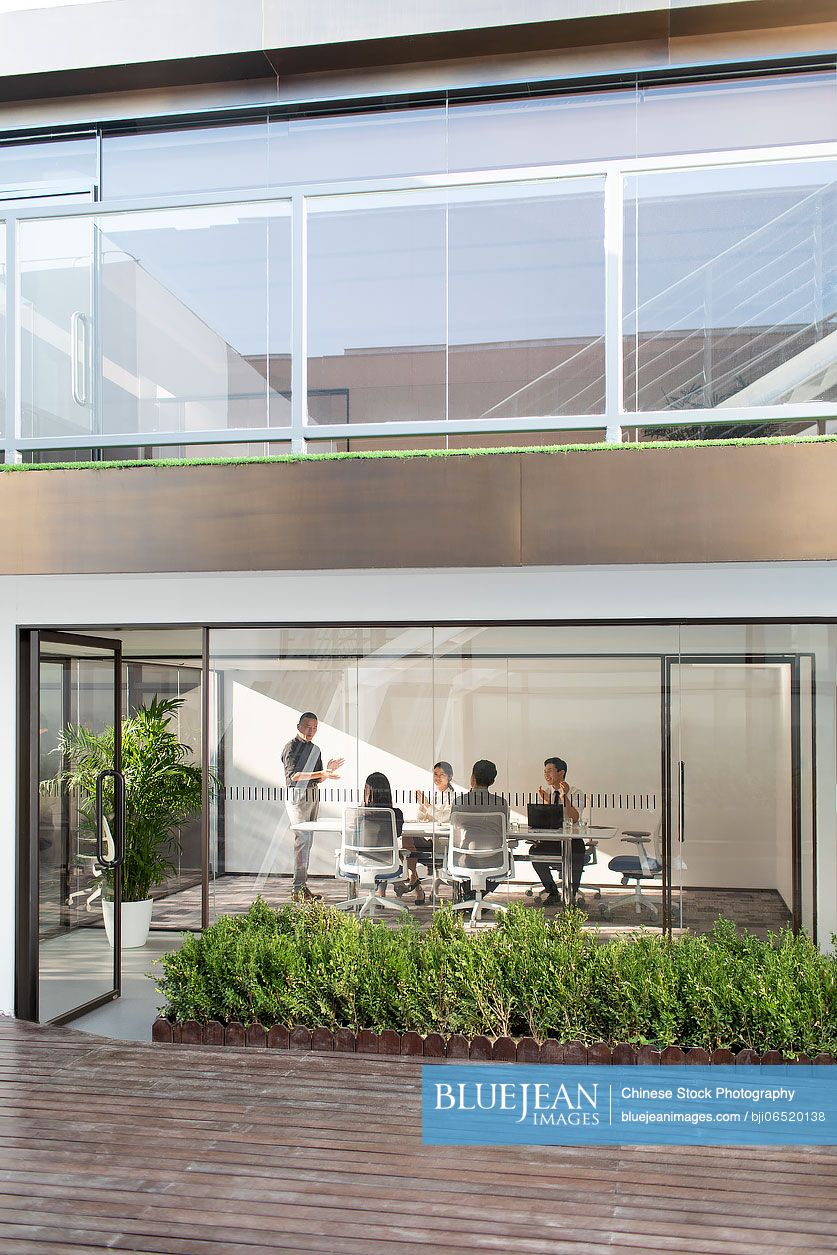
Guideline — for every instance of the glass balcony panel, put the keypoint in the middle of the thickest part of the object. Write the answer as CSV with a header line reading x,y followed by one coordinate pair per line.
x,y
731,287
55,316
196,319
376,309
527,300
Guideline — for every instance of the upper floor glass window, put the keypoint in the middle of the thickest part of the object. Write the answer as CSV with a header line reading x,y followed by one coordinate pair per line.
x,y
468,303
731,286
149,164
349,147
723,114
47,166
161,321
373,144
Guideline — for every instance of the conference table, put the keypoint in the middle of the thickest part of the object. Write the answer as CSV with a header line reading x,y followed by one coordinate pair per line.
x,y
519,834
522,834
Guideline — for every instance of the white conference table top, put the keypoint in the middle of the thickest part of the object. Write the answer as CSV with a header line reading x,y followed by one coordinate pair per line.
x,y
523,832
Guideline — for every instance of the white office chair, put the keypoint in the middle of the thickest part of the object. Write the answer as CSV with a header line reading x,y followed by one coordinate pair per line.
x,y
637,867
478,851
90,866
369,854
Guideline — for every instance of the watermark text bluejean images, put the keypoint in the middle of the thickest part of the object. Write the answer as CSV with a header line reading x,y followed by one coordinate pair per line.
x,y
505,1105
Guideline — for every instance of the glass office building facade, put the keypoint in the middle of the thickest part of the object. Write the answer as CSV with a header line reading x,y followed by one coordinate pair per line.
x,y
508,268
459,272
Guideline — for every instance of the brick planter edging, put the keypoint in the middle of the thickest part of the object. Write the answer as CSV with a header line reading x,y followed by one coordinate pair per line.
x,y
480,1049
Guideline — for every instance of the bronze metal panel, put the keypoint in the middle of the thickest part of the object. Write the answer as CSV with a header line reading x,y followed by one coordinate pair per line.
x,y
725,504
721,504
292,516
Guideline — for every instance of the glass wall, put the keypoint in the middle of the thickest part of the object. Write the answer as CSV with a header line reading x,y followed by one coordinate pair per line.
x,y
475,269
2,328
48,167
377,317
692,751
193,321
731,286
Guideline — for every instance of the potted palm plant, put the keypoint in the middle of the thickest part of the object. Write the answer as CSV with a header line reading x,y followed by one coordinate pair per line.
x,y
162,791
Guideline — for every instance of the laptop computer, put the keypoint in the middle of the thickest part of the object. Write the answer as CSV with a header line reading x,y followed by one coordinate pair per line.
x,y
545,815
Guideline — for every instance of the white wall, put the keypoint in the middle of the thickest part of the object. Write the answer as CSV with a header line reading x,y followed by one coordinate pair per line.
x,y
735,591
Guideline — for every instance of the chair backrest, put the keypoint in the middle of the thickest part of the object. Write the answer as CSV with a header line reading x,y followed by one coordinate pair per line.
x,y
369,844
644,853
478,844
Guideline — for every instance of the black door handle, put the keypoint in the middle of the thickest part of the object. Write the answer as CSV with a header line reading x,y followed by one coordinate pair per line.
x,y
118,834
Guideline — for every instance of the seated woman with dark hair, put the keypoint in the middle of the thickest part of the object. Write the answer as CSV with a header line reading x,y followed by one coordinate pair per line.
x,y
377,792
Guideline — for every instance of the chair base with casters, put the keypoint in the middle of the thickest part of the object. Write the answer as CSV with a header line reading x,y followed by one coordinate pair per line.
x,y
369,858
365,906
478,855
477,905
638,868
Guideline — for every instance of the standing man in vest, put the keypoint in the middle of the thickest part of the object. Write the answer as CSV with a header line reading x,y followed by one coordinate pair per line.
x,y
304,771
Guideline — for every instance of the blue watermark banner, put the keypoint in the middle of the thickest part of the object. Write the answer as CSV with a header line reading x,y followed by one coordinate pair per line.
x,y
516,1105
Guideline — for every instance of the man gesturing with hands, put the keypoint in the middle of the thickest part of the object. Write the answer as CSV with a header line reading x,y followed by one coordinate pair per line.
x,y
304,772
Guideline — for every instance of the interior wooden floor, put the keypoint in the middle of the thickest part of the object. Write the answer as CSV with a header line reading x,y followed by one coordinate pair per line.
x,y
758,910
114,1146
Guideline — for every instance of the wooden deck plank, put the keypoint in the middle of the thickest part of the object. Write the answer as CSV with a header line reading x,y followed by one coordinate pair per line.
x,y
191,1151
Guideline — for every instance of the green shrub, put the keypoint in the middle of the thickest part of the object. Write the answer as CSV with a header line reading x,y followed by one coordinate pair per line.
x,y
529,976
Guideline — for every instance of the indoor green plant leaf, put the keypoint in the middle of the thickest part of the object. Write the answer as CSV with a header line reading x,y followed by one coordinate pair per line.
x,y
162,789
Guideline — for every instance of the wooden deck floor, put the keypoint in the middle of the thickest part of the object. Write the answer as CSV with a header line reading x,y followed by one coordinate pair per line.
x,y
121,1147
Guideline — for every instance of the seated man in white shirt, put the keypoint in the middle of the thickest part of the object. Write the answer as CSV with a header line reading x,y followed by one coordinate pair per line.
x,y
557,793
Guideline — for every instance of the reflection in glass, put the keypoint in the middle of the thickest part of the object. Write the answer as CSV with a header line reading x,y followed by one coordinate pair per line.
x,y
547,130
50,165
2,328
196,319
143,682
145,453
527,297
376,309
763,111
372,145
262,684
75,956
184,159
621,705
731,287
56,326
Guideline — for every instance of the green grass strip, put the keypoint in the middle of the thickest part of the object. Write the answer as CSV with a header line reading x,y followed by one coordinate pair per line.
x,y
406,454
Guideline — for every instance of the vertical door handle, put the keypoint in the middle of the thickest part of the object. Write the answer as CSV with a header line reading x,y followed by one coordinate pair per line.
x,y
78,357
105,860
681,802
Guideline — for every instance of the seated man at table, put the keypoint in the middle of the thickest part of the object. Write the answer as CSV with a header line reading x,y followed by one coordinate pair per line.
x,y
480,798
557,793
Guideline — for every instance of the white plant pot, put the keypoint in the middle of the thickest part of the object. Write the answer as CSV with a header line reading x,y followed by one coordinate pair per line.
x,y
136,921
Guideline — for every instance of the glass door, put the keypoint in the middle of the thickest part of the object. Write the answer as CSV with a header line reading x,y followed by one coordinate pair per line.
x,y
76,823
734,797
56,301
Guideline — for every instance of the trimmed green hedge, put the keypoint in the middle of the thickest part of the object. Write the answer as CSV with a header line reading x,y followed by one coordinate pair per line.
x,y
398,455
529,976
